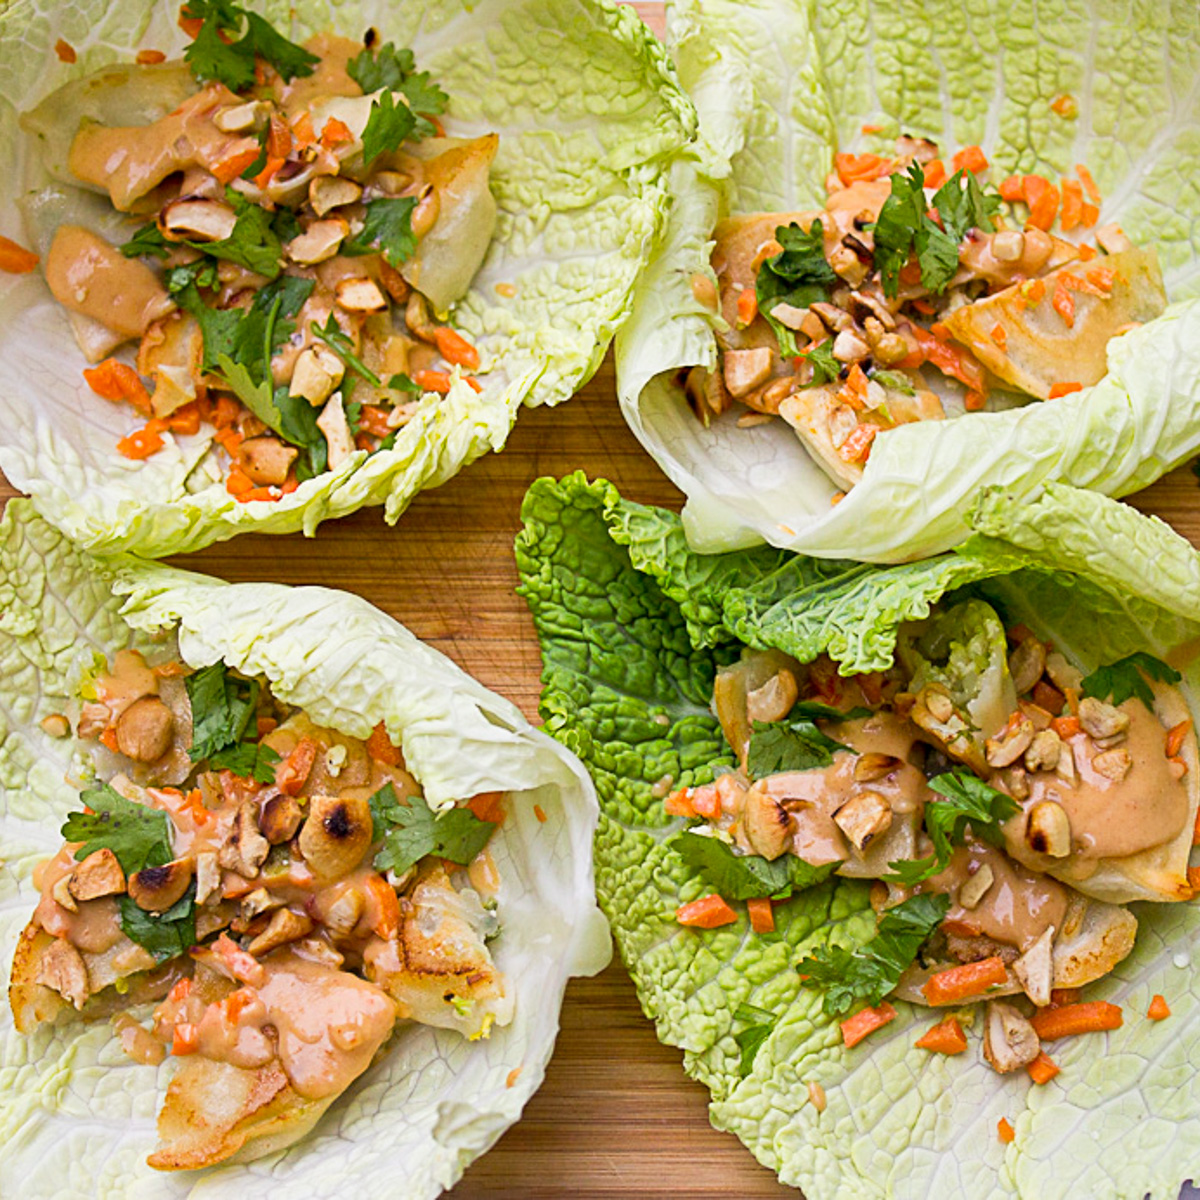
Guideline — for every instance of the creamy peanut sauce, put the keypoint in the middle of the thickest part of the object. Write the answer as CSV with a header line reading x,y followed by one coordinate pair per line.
x,y
812,797
1109,818
95,928
1018,907
330,77
139,1043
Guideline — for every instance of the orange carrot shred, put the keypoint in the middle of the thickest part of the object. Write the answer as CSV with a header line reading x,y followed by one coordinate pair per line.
x,y
1193,878
540,813
960,983
116,380
455,348
1071,1019
229,168
1090,215
1089,183
974,401
1064,389
999,335
1042,196
109,738
946,1037
935,173
706,802
1102,277
148,58
381,749
1005,1130
1012,189
747,307
141,443
1063,303
677,804
709,912
1066,727
185,1038
335,133
291,774
1072,205
1043,1069
857,1027
970,158
65,51
1159,1009
869,129
762,915
1175,736
1066,106
302,130
432,381
15,259
488,806
853,168
857,447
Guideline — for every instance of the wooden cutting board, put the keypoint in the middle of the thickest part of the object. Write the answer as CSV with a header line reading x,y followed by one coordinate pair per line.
x,y
616,1118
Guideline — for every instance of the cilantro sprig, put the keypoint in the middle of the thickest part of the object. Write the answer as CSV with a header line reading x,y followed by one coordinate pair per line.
x,y
247,760
411,830
798,275
137,835
1120,680
332,334
795,743
387,229
395,70
746,876
230,59
167,934
222,705
849,977
757,1026
968,801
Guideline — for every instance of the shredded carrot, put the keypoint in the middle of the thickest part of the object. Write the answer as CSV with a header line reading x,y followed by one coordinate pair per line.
x,y
1000,335
180,991
1043,1069
488,806
279,137
706,802
1042,198
1012,189
269,171
1070,1019
677,804
231,440
380,748
374,420
1073,283
1193,878
1066,106
970,158
762,915
1175,736
148,58
258,493
1072,205
961,983
1102,278
869,129
189,24
238,482
956,927
1063,303
910,272
511,1078
540,813
923,306
302,131
15,259
335,133
1089,183
1087,253
364,441
935,173
455,348
857,1027
940,331
747,307
1005,1130
291,774
229,168
65,51
432,381
855,168
1066,727
951,360
226,412
1064,389
857,447
109,738
116,381
141,443
946,1037
1159,1009
1090,215
1032,291
185,1038
709,912
856,389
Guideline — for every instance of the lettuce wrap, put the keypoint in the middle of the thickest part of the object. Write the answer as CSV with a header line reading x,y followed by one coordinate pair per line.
x,y
781,85
589,118
634,628
77,1114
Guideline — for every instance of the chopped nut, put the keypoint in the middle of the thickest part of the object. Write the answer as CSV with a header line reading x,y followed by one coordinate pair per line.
x,y
1112,240
266,460
318,950
789,315
245,850
1013,741
1008,245
258,901
766,825
327,192
280,818
61,967
890,349
1049,829
1014,781
938,702
342,914
416,317
1036,252
1062,674
1036,713
873,765
425,215
336,834
316,373
144,730
1035,969
1009,1040
240,117
1065,767
360,295
285,926
56,725
746,369
848,265
836,319
333,424
848,346
197,220
98,875
391,182
61,892
155,889
976,886
1043,751
1113,764
862,817
212,917
208,875
393,282
1026,664
706,392
1102,720
774,699
843,421
319,242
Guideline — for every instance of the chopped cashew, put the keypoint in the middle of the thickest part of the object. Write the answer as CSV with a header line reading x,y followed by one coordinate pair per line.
x,y
862,817
316,373
1035,969
61,968
198,220
284,926
98,875
766,825
333,424
1009,1040
976,886
245,850
1102,720
1049,829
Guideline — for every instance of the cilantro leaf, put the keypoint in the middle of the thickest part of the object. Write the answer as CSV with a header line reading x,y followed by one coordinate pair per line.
x,y
1123,678
746,876
222,705
963,205
147,241
247,760
424,98
895,228
139,836
212,57
267,324
402,383
798,275
937,255
298,425
759,1024
793,744
386,67
873,970
388,229
825,367
968,801
218,326
253,243
813,710
338,341
388,125
412,830
167,934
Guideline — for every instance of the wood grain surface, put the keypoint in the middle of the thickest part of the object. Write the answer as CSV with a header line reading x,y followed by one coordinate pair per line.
x,y
616,1118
